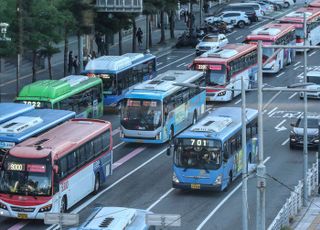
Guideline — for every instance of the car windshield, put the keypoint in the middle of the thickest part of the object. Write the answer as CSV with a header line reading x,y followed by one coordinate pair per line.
x,y
210,39
141,114
216,75
313,123
109,83
197,153
25,177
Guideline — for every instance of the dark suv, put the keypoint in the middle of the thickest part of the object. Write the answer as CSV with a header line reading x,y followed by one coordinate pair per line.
x,y
249,10
296,134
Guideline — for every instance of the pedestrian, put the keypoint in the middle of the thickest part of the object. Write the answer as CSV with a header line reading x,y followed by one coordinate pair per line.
x,y
70,62
76,64
139,36
93,55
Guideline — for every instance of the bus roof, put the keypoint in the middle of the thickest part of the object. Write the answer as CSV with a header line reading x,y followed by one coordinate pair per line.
x,y
163,84
45,90
114,64
31,123
315,3
226,54
270,32
61,139
218,124
11,110
296,17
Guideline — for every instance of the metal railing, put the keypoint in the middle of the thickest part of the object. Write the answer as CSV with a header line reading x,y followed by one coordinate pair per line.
x,y
294,203
119,5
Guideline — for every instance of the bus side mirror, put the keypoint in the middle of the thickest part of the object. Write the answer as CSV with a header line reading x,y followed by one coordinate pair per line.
x,y
56,169
293,124
225,157
170,149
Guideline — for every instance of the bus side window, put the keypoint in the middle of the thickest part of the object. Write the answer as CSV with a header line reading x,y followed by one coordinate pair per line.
x,y
106,140
119,87
55,183
89,151
63,167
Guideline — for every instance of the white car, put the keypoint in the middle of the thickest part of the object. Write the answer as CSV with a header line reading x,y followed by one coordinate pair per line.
x,y
231,17
284,3
257,8
312,77
211,42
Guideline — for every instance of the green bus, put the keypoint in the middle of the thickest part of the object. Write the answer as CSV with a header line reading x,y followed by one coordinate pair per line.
x,y
75,92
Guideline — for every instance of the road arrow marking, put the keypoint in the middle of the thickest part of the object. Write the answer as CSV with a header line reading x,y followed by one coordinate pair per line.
x,y
280,126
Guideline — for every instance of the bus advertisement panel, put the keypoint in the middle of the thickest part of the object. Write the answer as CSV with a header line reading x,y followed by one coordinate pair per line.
x,y
28,124
121,73
313,25
275,34
208,155
55,170
225,67
77,93
156,110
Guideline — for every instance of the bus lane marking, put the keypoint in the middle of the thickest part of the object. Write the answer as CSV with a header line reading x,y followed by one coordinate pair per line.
x,y
127,157
280,74
285,142
293,95
223,201
160,199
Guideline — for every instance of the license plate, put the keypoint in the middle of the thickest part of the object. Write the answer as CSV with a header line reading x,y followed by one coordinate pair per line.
x,y
195,186
22,216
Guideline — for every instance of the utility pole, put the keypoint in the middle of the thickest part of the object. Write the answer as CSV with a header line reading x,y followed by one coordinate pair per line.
x,y
201,6
305,125
261,169
19,44
147,32
244,159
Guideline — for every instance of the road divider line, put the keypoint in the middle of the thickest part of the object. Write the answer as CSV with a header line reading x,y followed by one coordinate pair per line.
x,y
160,199
297,63
274,109
127,157
280,74
176,61
222,202
285,142
19,225
181,64
293,95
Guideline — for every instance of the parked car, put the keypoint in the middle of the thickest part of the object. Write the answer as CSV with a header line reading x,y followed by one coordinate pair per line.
x,y
312,77
266,7
297,132
284,3
231,17
256,6
249,10
211,42
115,218
275,5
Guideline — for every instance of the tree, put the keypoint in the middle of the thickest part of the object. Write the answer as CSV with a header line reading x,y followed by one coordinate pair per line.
x,y
170,8
149,9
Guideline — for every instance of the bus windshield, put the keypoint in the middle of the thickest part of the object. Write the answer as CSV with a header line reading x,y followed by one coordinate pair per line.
x,y
25,177
216,75
109,83
198,154
141,114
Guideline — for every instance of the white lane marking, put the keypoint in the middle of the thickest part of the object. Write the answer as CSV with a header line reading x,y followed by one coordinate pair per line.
x,y
159,63
280,74
239,37
258,23
271,99
222,202
295,68
164,54
293,95
297,63
160,199
176,61
237,102
285,142
279,127
127,157
181,64
121,143
19,225
274,109
312,53
116,131
231,33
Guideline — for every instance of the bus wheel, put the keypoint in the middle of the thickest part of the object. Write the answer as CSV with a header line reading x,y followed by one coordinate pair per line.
x,y
63,204
250,158
230,178
195,118
96,184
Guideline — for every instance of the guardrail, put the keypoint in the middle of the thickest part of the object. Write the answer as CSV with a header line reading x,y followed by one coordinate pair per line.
x,y
294,202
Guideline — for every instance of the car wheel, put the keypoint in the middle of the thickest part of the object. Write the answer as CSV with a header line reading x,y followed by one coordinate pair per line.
x,y
63,205
249,22
241,24
286,5
96,184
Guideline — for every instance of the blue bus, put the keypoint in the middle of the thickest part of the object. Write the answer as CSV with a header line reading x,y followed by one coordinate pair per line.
x,y
120,73
28,124
208,155
156,110
11,110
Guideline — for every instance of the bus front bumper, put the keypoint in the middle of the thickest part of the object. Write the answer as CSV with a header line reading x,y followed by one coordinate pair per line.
x,y
138,140
22,215
188,186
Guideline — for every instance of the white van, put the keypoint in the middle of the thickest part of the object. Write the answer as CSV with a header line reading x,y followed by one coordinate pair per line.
x,y
312,77
257,8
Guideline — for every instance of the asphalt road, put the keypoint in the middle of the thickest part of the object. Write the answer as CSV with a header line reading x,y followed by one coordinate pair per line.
x,y
144,180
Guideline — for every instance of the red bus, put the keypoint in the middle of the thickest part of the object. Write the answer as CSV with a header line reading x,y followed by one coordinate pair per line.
x,y
313,24
315,3
225,67
52,172
275,34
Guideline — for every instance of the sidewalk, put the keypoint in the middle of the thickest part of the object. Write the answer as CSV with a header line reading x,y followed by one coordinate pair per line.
x,y
309,218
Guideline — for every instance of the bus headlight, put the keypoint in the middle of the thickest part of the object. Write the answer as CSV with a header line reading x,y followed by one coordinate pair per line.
x,y
158,136
3,206
222,93
218,180
46,208
175,178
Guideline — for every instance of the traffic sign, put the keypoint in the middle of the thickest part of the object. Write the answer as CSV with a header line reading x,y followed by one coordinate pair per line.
x,y
164,220
61,218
